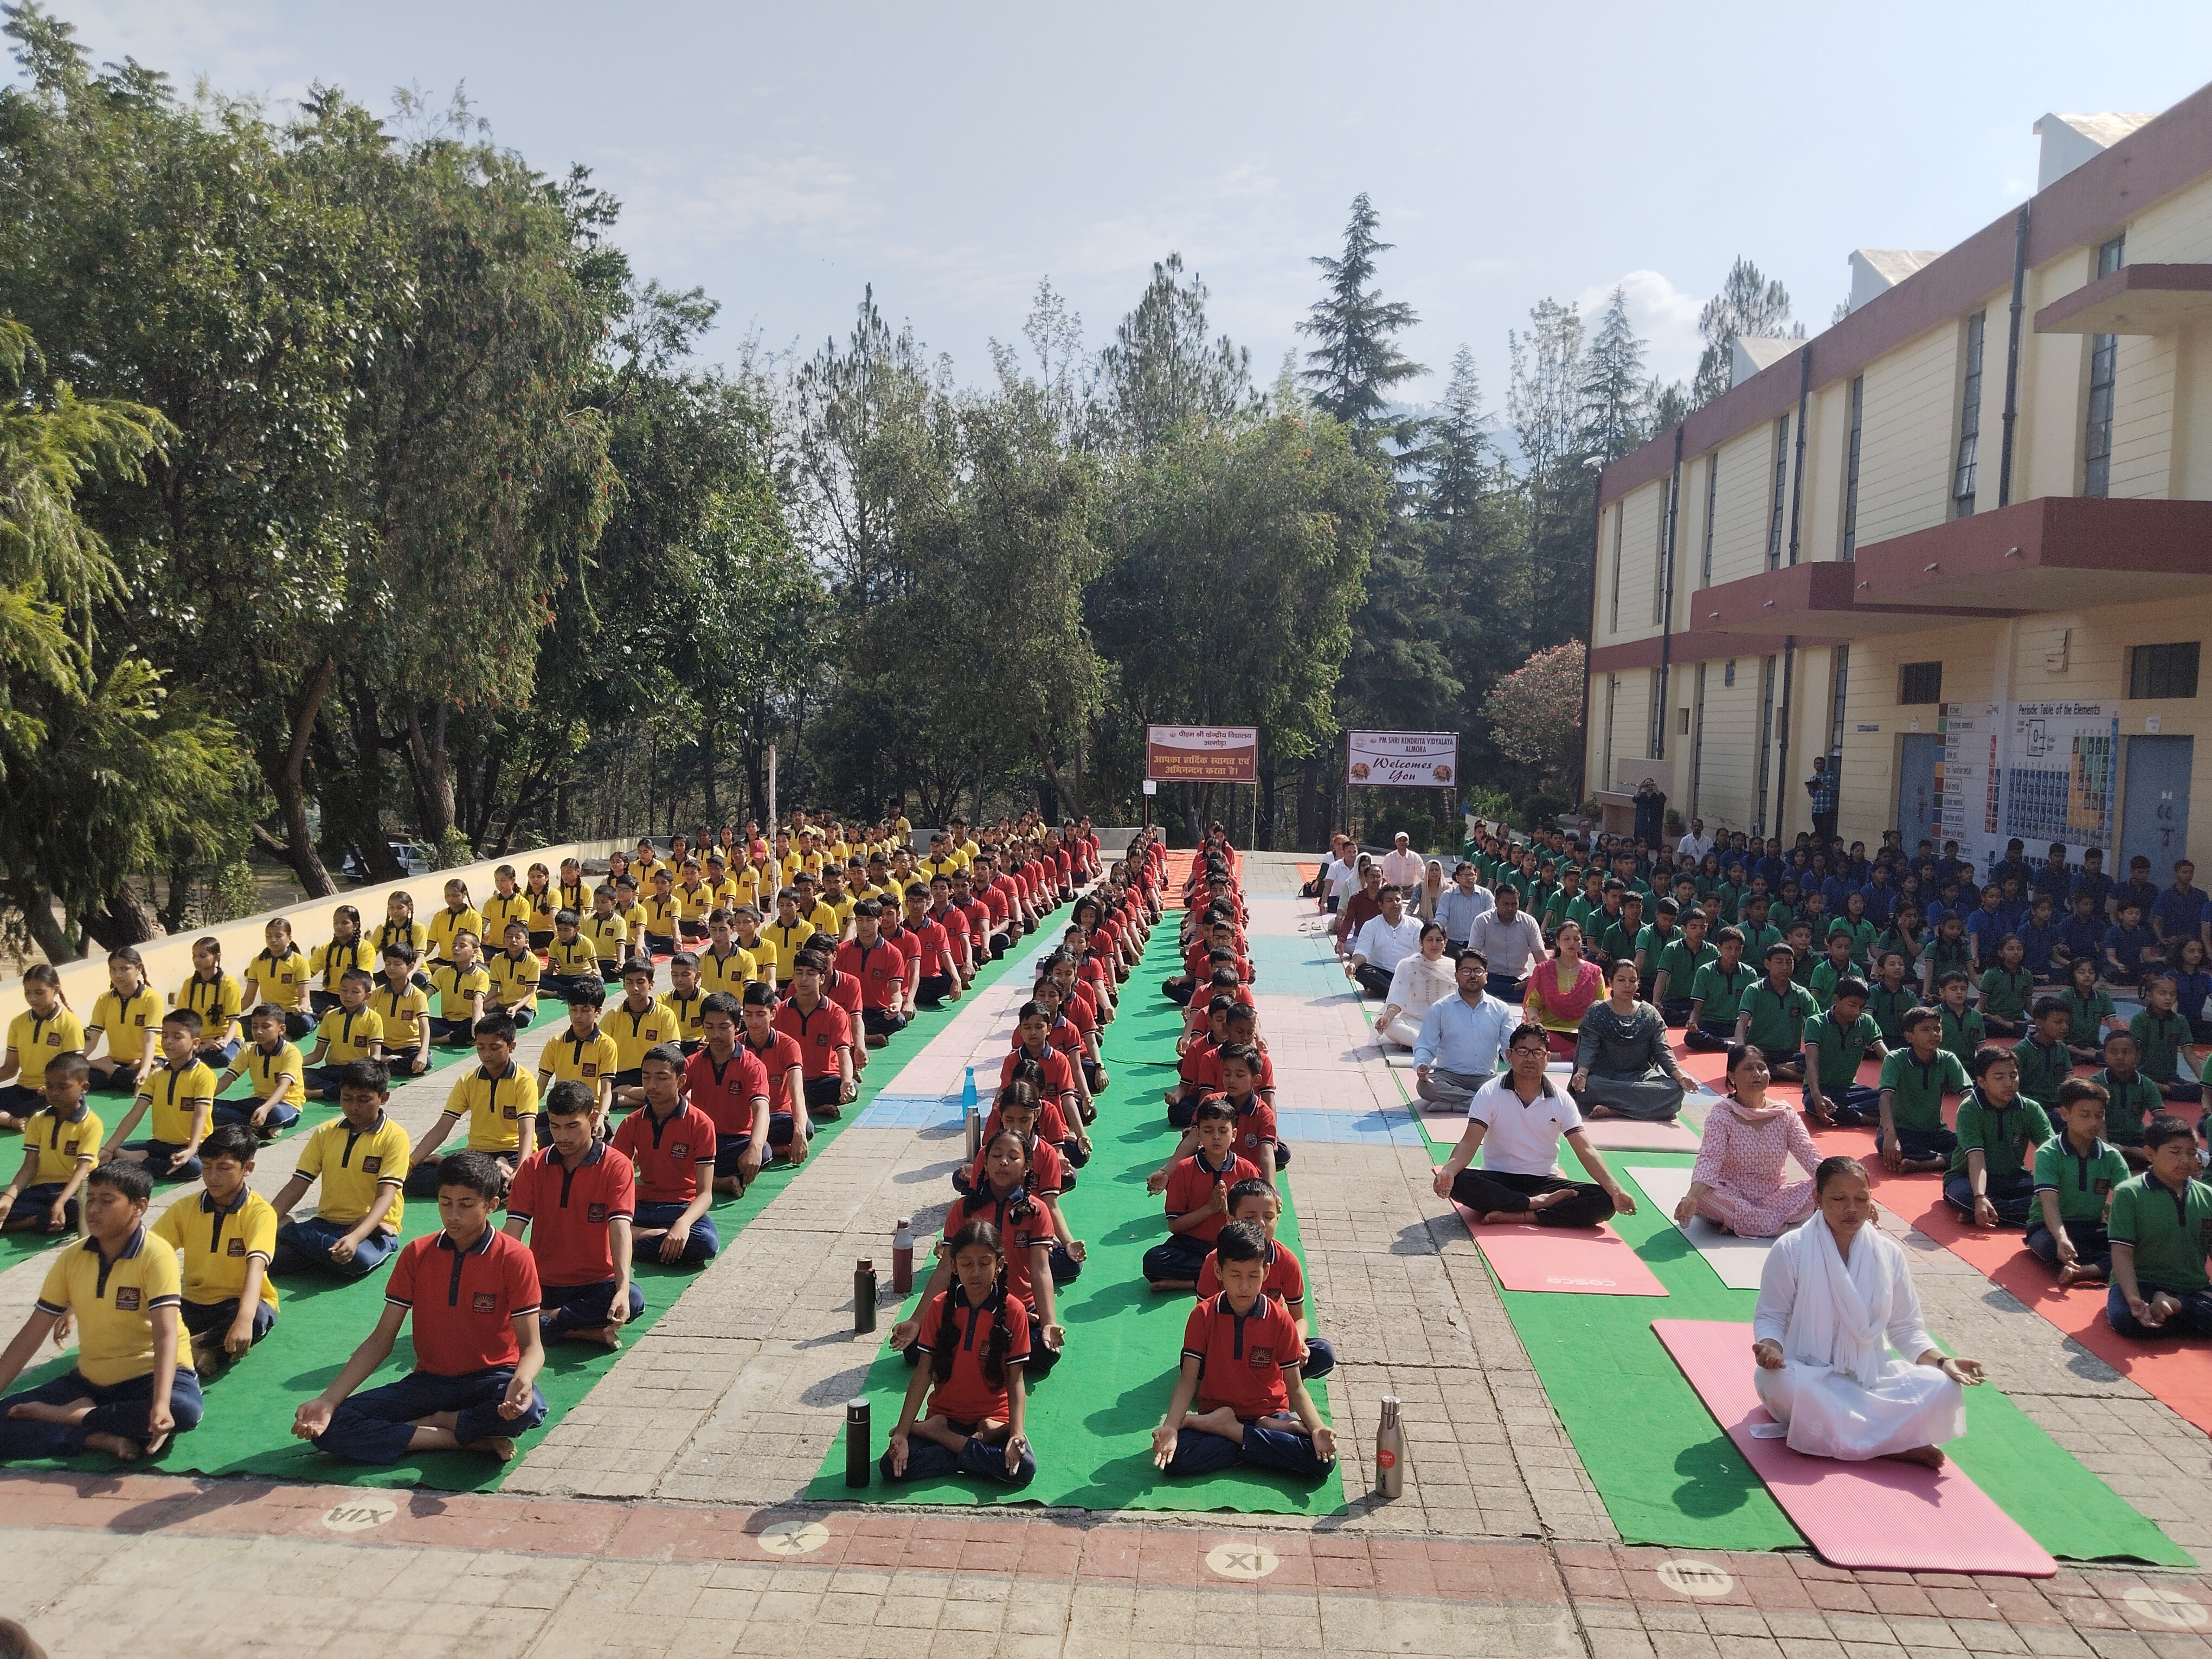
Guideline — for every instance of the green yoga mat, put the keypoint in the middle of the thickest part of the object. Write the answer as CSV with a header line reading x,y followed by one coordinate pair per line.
x,y
246,1430
1670,1477
1090,1422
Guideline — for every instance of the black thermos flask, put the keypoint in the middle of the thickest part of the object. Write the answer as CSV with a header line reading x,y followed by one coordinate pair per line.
x,y
858,1457
864,1297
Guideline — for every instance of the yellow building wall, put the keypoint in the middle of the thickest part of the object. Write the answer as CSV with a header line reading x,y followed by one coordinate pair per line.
x,y
1739,513
1908,432
1642,514
1727,778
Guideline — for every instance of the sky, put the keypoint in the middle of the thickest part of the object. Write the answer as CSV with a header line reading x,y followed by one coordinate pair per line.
x,y
955,156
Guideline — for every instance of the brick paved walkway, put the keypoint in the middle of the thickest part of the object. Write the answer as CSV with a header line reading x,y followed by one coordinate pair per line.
x,y
662,1516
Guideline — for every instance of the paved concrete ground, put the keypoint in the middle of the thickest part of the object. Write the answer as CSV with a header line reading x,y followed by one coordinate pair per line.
x,y
662,1514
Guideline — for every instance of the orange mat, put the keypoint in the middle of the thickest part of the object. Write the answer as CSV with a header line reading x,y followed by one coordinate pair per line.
x,y
1178,871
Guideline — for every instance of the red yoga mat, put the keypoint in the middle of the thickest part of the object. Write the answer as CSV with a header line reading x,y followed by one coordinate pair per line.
x,y
1576,1260
1879,1515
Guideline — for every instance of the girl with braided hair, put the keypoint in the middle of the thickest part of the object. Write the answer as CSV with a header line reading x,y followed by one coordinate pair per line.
x,y
976,1337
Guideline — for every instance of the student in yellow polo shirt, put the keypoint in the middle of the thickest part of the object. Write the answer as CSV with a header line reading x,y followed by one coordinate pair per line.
x,y
61,1145
278,1073
41,1033
500,1100
461,985
405,1007
361,1158
127,1013
583,1053
226,1235
514,973
279,974
132,1369
180,1093
638,1023
352,1031
746,930
725,965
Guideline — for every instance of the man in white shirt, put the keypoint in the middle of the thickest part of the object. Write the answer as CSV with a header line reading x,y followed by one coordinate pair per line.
x,y
1697,843
1341,874
1516,1122
1384,942
1510,940
1402,867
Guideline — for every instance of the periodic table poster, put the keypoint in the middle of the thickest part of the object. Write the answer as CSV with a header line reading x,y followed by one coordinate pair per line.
x,y
2061,765
2042,771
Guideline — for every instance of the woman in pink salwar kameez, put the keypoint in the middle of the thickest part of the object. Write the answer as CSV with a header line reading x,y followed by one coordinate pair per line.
x,y
1748,1142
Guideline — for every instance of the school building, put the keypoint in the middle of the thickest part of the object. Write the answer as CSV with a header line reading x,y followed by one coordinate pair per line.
x,y
1959,541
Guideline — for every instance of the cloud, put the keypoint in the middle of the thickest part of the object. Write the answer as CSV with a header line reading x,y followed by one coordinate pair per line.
x,y
1662,313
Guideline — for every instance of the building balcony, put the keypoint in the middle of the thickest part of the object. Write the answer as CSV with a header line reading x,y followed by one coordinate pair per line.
x,y
2133,300
2056,553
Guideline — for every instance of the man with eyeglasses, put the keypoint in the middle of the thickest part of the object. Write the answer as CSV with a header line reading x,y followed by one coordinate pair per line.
x,y
1462,1036
1516,1122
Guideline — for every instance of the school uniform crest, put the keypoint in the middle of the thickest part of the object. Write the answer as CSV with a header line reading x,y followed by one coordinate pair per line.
x,y
371,1165
595,1212
237,1247
126,1298
486,1301
681,1149
1262,1357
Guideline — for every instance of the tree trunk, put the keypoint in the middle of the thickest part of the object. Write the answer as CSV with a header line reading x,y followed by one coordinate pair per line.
x,y
1265,836
287,781
181,887
1313,824
434,783
1068,796
37,907
127,918
713,798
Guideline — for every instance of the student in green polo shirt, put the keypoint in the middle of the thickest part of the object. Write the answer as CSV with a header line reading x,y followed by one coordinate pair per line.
x,y
2076,1172
1835,1043
1963,1031
1617,942
2045,1062
2007,989
1602,918
1773,1016
1891,996
2161,1035
2161,1226
1717,993
1837,965
2132,1099
2090,1011
1912,1139
1674,967
1656,936
1991,1182
1559,906
1760,934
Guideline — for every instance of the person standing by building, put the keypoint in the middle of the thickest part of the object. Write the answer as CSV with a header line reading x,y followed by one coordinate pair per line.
x,y
1821,787
1650,813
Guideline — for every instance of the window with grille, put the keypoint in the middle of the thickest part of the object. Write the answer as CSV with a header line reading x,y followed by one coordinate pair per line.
x,y
1920,682
1969,419
1712,495
1781,492
2104,365
1851,471
2163,670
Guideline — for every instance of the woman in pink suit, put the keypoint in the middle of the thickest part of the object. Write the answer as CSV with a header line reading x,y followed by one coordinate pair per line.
x,y
1749,1143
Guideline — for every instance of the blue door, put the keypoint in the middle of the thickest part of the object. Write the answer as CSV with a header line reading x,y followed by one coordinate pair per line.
x,y
1919,790
2155,821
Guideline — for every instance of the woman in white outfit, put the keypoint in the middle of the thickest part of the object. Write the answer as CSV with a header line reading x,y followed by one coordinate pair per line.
x,y
1835,1298
1421,979
1432,890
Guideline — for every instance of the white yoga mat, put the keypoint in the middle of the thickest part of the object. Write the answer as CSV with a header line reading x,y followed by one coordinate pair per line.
x,y
1739,1262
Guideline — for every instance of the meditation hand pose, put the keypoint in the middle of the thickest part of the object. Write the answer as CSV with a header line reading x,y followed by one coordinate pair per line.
x,y
1737,1183
1836,1297
975,1338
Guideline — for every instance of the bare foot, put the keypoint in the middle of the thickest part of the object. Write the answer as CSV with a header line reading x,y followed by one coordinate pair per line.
x,y
38,1411
1600,1111
500,1447
607,1335
1504,1217
1544,1200
1929,1457
123,1450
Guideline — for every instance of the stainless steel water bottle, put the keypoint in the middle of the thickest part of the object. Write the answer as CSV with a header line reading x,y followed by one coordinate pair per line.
x,y
859,1454
864,1297
971,1111
1389,1451
903,1256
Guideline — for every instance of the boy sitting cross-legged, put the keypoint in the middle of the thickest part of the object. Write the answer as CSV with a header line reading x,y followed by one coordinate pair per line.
x,y
133,1386
360,1158
1198,1199
576,1199
1242,1371
226,1235
1259,1204
61,1144
473,1293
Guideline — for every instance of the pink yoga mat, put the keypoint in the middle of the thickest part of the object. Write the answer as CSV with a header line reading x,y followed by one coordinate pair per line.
x,y
1621,1134
1879,1516
1578,1261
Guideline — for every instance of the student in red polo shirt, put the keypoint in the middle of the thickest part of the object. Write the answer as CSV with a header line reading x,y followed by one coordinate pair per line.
x,y
981,929
576,1199
1065,1039
824,1037
1056,1078
840,989
780,1058
957,935
1017,1111
1198,1199
977,1335
933,976
1238,1067
1242,1362
727,1081
672,1142
474,1296
1192,1081
1259,1204
880,966
1003,1199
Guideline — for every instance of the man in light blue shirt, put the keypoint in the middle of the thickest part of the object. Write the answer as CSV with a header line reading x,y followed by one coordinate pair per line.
x,y
1461,1037
1460,905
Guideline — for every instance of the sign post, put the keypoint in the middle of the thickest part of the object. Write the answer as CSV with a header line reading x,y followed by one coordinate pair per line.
x,y
1404,760
1203,754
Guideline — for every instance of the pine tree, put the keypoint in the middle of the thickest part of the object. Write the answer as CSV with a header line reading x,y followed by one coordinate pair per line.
x,y
1355,361
1616,399
1161,371
1748,306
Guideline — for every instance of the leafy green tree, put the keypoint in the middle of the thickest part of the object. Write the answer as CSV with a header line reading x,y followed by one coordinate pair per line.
x,y
1616,396
1162,373
1545,404
1355,361
1748,306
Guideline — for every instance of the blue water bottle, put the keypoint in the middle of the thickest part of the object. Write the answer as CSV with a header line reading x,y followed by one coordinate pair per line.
x,y
971,1114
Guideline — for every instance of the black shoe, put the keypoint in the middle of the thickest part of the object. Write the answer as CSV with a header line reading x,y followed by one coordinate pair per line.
x,y
1282,1156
